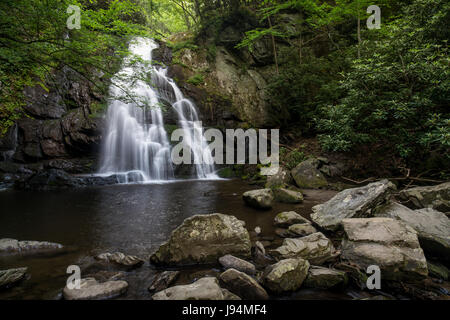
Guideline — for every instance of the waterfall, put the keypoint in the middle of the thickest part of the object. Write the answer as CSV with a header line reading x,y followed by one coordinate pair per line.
x,y
136,146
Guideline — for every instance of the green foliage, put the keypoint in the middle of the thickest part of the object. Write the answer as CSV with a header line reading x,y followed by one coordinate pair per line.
x,y
35,42
196,80
178,46
397,95
291,158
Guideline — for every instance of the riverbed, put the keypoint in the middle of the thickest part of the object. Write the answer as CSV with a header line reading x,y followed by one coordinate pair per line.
x,y
134,219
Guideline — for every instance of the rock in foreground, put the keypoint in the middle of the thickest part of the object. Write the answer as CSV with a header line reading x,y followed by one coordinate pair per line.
x,y
436,197
351,203
387,243
287,196
316,248
259,199
324,278
432,227
120,259
203,289
243,285
163,280
10,277
308,176
203,239
286,219
286,275
13,246
91,289
232,262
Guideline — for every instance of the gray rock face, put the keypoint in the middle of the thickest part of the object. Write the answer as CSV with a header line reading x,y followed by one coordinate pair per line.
x,y
243,285
259,199
316,248
203,289
436,197
351,203
287,196
10,277
91,289
280,179
232,262
286,219
432,227
120,259
203,239
163,281
286,275
308,176
387,243
13,246
324,278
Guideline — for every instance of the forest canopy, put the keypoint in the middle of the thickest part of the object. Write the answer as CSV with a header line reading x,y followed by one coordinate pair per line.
x,y
386,88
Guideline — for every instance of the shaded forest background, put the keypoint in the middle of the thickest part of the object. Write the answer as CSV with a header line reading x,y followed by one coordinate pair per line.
x,y
382,93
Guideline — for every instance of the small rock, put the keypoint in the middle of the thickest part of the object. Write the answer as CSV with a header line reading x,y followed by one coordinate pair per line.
x,y
163,280
280,179
258,230
316,248
203,289
436,197
259,255
301,230
13,246
120,259
308,176
91,289
259,199
286,275
324,278
232,262
287,196
243,285
437,270
286,219
11,277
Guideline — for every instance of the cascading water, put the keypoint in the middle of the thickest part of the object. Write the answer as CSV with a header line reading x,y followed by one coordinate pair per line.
x,y
136,146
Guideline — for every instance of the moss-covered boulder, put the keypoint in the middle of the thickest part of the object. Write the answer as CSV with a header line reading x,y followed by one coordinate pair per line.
x,y
203,239
286,275
259,199
308,176
324,278
287,196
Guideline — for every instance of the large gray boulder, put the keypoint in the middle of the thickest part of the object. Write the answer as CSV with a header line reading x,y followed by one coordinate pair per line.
x,y
11,277
351,203
324,278
432,227
91,289
243,285
316,248
120,259
259,199
232,262
308,176
203,239
436,197
203,289
390,244
286,275
13,246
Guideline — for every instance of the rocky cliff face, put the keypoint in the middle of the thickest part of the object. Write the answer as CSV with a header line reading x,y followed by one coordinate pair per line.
x,y
59,128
